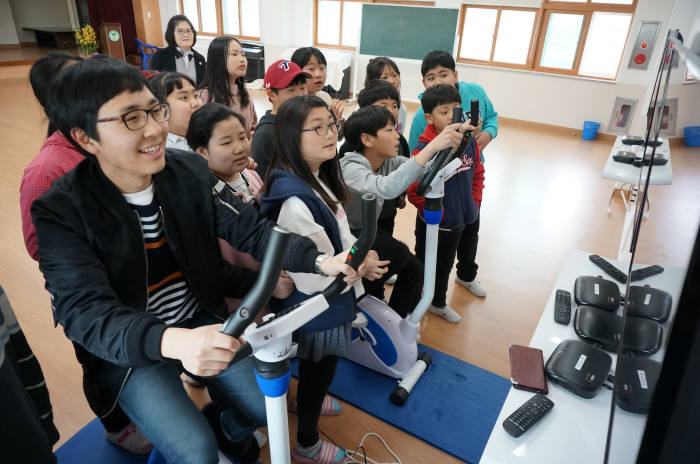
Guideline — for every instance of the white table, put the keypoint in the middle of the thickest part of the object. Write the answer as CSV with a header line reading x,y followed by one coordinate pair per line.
x,y
630,174
575,430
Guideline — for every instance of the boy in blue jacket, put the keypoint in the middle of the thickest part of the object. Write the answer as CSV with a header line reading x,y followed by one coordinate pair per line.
x,y
462,195
438,67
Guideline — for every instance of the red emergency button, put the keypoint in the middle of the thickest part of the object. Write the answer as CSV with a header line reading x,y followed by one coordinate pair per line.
x,y
640,58
644,45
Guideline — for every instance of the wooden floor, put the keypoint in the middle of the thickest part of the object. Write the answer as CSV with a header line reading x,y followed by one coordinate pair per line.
x,y
27,55
544,196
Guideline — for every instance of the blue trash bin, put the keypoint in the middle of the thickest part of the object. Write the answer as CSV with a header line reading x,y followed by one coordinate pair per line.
x,y
590,130
692,136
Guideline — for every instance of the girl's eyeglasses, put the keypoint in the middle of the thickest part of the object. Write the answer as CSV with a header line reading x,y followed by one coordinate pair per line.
x,y
322,129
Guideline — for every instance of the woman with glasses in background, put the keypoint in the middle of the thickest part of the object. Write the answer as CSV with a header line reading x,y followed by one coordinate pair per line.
x,y
180,55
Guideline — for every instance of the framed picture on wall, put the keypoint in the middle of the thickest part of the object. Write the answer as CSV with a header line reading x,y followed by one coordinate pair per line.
x,y
621,117
669,118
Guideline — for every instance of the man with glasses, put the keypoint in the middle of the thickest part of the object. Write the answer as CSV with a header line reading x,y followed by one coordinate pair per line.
x,y
129,250
180,55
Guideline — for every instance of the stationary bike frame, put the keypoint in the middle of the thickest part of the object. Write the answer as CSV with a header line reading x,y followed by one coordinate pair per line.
x,y
271,341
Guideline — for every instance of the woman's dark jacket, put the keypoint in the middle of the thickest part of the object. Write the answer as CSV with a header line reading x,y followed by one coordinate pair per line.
x,y
94,262
164,60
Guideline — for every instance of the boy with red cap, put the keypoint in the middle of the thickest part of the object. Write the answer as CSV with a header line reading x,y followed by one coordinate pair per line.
x,y
283,80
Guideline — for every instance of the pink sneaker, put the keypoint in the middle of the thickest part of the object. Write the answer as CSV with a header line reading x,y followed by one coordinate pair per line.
x,y
131,439
322,452
330,407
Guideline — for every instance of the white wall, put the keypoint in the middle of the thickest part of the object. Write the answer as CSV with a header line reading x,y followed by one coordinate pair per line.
x,y
8,31
285,24
35,13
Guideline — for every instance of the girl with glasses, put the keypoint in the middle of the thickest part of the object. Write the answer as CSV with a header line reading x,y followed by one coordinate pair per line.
x,y
180,55
305,193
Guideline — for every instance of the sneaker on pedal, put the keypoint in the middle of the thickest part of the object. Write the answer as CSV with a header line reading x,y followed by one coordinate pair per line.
x,y
445,312
360,320
474,286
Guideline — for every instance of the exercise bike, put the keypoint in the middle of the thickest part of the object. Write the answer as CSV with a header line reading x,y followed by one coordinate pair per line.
x,y
270,342
387,343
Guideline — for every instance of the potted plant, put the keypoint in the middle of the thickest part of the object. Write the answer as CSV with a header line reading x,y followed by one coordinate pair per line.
x,y
87,40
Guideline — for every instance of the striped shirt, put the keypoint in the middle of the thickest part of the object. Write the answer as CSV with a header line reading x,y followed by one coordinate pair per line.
x,y
169,298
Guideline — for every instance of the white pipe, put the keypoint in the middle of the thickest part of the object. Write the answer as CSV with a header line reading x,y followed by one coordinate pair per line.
x,y
431,243
278,429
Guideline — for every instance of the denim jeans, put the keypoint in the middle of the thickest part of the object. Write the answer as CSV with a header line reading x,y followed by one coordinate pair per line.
x,y
158,404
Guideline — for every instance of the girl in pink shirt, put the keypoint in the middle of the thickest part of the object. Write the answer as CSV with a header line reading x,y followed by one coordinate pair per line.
x,y
224,81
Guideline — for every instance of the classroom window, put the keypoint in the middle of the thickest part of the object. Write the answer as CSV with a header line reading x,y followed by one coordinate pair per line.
x,y
575,37
561,40
479,26
605,44
515,31
490,35
215,17
337,22
207,11
232,20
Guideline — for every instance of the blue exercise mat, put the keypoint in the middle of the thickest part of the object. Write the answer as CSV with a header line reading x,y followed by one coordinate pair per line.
x,y
454,406
89,445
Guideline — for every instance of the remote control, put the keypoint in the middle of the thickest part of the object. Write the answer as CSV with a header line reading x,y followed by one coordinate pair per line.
x,y
609,269
643,273
526,415
562,307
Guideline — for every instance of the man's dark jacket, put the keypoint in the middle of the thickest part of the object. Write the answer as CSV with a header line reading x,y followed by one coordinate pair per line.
x,y
94,261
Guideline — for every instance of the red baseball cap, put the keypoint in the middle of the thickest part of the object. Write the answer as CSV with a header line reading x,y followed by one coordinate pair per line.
x,y
281,73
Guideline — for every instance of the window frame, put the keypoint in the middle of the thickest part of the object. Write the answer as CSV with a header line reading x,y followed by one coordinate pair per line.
x,y
490,61
218,5
339,45
539,32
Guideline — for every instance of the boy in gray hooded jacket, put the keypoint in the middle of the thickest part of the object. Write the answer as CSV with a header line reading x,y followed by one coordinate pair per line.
x,y
373,166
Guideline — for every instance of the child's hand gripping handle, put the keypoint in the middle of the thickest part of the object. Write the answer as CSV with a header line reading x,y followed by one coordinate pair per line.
x,y
362,245
474,121
253,302
440,159
474,113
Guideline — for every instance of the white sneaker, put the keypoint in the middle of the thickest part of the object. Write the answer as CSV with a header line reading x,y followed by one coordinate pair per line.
x,y
391,280
260,437
360,320
474,286
447,313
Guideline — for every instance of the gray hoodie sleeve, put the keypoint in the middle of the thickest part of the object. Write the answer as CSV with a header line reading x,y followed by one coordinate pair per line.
x,y
358,175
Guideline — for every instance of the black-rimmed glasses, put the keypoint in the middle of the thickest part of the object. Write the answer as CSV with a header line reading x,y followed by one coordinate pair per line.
x,y
136,119
322,129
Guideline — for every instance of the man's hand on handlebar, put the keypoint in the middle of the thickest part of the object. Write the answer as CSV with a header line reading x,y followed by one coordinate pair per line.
x,y
203,351
284,287
372,267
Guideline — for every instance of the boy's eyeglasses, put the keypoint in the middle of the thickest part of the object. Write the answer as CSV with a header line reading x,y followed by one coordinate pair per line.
x,y
322,129
184,31
136,119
